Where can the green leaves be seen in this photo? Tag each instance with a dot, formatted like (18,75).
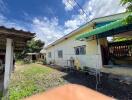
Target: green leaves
(128,20)
(128,3)
(34,46)
(125,1)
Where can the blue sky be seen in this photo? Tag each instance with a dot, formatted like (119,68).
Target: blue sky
(52,19)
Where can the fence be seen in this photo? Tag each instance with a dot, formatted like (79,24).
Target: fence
(121,49)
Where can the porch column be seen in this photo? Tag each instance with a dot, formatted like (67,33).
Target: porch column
(8,63)
(99,55)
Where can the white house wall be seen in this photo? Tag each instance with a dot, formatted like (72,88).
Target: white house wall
(93,53)
(91,59)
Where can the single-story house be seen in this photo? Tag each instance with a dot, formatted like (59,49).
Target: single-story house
(32,56)
(41,56)
(90,53)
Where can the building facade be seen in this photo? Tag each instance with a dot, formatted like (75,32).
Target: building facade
(84,53)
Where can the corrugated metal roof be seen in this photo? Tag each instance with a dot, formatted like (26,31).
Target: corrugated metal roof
(107,27)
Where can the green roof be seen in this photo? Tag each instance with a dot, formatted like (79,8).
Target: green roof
(107,27)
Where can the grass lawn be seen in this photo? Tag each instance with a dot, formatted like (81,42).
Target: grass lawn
(29,79)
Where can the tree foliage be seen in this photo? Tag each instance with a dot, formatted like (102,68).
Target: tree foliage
(32,46)
(128,4)
(128,20)
(117,39)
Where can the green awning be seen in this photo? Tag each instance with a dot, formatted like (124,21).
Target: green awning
(107,27)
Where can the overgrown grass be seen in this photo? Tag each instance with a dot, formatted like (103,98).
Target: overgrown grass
(19,62)
(27,81)
(1,93)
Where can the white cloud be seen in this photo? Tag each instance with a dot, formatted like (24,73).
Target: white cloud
(69,4)
(11,24)
(4,21)
(48,30)
(45,29)
(99,8)
(76,21)
(94,8)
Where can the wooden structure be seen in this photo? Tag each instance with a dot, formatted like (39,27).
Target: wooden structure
(12,40)
(121,49)
(32,57)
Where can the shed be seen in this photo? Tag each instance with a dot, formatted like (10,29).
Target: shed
(12,40)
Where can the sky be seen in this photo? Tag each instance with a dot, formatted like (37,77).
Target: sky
(52,19)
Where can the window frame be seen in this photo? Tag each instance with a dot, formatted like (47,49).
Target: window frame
(60,53)
(81,50)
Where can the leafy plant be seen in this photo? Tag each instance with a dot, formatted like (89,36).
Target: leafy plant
(128,4)
(32,46)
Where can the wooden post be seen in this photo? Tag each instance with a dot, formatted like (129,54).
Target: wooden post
(8,64)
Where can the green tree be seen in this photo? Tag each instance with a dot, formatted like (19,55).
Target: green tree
(32,46)
(128,20)
(128,4)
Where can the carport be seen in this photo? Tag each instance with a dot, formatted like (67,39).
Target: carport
(11,40)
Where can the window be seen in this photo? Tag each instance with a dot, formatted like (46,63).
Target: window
(49,54)
(80,50)
(60,54)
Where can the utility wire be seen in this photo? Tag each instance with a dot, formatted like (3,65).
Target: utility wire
(97,72)
(79,7)
(72,5)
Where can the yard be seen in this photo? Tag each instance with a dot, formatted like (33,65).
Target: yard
(29,79)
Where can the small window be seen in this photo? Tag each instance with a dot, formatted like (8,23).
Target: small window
(49,54)
(80,50)
(77,51)
(60,54)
